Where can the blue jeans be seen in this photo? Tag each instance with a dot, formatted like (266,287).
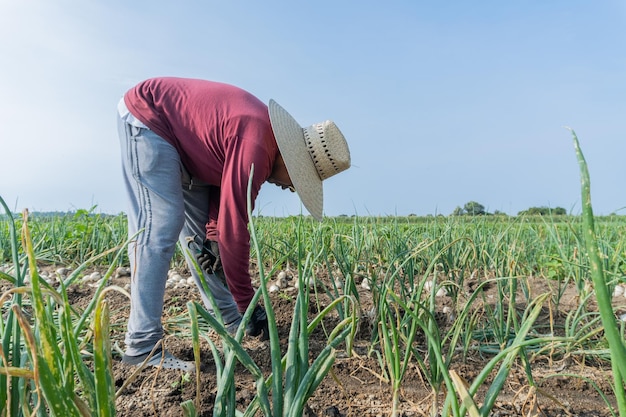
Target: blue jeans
(166,206)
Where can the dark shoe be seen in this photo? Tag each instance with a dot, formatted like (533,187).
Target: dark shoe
(258,324)
(231,328)
(161,358)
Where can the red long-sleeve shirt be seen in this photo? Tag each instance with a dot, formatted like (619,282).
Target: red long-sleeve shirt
(219,131)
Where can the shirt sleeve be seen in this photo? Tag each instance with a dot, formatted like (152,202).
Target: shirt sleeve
(228,222)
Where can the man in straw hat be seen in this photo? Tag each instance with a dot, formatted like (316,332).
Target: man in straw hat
(187,150)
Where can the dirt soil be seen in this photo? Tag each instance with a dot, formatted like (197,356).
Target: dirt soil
(356,386)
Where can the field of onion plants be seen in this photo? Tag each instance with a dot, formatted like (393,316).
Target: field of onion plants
(419,298)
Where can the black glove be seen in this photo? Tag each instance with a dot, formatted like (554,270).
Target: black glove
(258,324)
(209,259)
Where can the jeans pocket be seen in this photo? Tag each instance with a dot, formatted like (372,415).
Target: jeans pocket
(135,131)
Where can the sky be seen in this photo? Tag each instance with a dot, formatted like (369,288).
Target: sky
(441,103)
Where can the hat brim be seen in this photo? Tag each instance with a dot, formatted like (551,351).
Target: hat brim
(292,145)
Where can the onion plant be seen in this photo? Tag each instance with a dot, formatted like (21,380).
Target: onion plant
(616,343)
(293,379)
(396,335)
(400,313)
(505,358)
(43,363)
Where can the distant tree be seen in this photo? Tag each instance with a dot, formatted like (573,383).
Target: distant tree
(474,209)
(471,208)
(458,211)
(543,211)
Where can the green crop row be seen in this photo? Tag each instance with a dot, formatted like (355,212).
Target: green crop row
(55,358)
(550,247)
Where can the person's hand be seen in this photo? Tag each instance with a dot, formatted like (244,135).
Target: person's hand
(257,326)
(209,259)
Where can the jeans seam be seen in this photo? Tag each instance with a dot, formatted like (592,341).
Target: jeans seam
(143,191)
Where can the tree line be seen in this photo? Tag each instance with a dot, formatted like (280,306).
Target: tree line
(473,208)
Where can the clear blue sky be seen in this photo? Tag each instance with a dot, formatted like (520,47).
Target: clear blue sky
(441,102)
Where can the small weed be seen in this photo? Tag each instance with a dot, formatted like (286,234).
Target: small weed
(184,379)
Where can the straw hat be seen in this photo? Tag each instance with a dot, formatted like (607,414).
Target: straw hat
(311,155)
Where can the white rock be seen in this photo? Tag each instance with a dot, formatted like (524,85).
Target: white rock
(62,272)
(623,317)
(338,283)
(366,284)
(190,281)
(122,271)
(95,276)
(95,284)
(619,290)
(281,280)
(274,288)
(176,277)
(309,282)
(450,315)
(86,278)
(441,292)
